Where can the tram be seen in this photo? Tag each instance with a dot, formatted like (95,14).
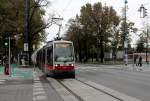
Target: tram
(56,58)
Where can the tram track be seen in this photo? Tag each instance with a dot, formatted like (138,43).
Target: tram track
(81,91)
(74,94)
(100,90)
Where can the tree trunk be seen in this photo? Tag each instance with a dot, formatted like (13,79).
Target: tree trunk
(97,58)
(86,50)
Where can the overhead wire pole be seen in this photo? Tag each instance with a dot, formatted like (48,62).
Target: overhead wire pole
(9,56)
(26,34)
(147,47)
(125,34)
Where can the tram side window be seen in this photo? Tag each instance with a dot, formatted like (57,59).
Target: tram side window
(50,56)
(40,58)
(43,58)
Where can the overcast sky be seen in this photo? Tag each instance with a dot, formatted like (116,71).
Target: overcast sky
(69,8)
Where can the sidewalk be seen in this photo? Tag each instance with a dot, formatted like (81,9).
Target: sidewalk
(16,73)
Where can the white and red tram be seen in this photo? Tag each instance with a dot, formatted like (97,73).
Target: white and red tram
(56,57)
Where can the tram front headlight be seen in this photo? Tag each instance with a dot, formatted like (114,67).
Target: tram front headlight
(71,64)
(57,65)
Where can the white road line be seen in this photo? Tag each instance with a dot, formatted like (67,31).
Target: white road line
(38,89)
(40,97)
(40,92)
(37,81)
(37,86)
(2,80)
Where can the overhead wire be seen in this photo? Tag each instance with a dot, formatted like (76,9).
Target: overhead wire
(70,1)
(61,12)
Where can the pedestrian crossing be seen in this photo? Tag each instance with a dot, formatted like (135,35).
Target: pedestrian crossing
(39,93)
(2,81)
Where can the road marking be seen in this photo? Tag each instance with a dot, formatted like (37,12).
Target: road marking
(36,86)
(2,81)
(40,97)
(38,90)
(37,81)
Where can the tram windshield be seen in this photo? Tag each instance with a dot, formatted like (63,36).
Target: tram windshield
(63,52)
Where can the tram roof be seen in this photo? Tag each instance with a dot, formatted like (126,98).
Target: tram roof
(49,43)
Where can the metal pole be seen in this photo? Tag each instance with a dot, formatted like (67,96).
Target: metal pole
(125,35)
(9,57)
(26,21)
(147,47)
(26,34)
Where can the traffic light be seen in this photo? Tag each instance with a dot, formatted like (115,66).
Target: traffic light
(145,12)
(5,42)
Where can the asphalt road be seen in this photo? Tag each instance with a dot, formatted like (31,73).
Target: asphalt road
(35,86)
(132,83)
(24,85)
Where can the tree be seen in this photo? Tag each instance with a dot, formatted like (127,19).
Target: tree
(97,22)
(12,20)
(76,34)
(140,44)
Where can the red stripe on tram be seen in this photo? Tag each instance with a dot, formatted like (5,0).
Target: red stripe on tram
(48,67)
(64,67)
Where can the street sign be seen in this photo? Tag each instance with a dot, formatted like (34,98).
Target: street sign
(25,46)
(125,44)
